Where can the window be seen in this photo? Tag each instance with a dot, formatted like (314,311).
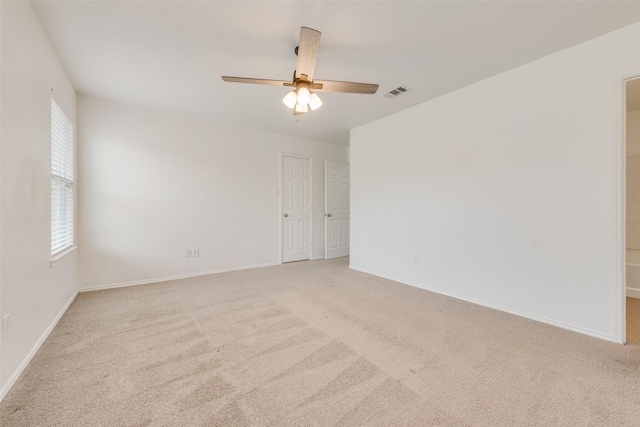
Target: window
(61,180)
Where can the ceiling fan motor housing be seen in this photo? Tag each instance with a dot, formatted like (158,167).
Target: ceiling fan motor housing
(300,83)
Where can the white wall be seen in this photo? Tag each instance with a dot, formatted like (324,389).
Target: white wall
(155,184)
(33,294)
(503,189)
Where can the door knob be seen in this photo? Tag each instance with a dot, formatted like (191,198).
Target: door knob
(286,215)
(329,215)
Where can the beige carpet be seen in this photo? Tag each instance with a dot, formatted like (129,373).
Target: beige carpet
(314,343)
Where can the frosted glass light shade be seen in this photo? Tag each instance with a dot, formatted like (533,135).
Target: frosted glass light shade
(290,99)
(301,108)
(314,101)
(303,95)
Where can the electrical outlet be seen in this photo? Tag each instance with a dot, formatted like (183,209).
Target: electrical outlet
(196,251)
(5,326)
(189,252)
(416,260)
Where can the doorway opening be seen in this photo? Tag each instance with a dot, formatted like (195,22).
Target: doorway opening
(632,209)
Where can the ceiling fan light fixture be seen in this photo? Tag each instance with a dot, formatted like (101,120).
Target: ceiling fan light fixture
(314,101)
(301,98)
(304,95)
(301,108)
(290,99)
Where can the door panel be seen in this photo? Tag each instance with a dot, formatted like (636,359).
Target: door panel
(296,208)
(345,233)
(337,209)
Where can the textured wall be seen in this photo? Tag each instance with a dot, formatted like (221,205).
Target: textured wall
(33,294)
(503,189)
(155,184)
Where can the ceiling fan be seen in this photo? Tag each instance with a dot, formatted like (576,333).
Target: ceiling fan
(303,95)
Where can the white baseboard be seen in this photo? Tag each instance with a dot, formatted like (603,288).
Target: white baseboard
(166,279)
(495,307)
(633,293)
(34,350)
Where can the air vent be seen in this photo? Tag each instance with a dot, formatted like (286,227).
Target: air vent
(397,91)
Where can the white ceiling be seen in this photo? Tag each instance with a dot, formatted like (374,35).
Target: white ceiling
(170,55)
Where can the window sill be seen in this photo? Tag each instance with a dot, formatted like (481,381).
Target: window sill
(61,255)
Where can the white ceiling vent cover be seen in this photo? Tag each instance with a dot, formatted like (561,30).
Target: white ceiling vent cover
(397,91)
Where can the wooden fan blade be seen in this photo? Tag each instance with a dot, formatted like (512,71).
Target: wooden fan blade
(307,52)
(346,87)
(256,81)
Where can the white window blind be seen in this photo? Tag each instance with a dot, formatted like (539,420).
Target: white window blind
(61,180)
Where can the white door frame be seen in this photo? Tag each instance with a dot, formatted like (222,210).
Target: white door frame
(281,212)
(619,268)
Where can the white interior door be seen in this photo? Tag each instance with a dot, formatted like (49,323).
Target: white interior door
(336,217)
(296,209)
